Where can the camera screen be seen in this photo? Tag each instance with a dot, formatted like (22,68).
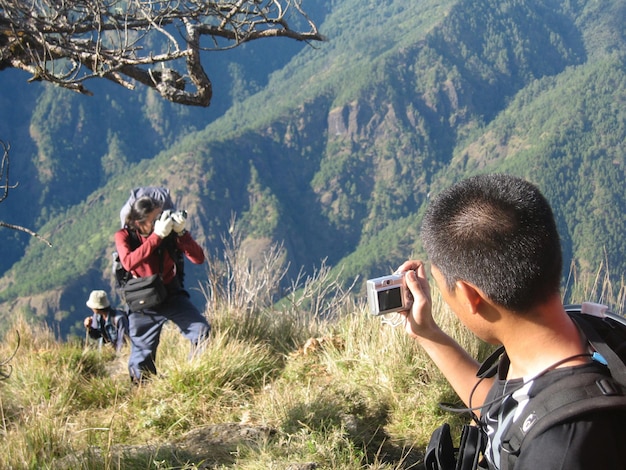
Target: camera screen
(390,299)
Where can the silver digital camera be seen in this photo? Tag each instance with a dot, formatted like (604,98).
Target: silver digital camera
(386,294)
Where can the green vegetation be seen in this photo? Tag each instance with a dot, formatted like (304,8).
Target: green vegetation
(567,135)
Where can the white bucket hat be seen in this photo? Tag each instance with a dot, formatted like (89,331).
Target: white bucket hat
(98,299)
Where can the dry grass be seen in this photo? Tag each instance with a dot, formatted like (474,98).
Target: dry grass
(335,385)
(597,287)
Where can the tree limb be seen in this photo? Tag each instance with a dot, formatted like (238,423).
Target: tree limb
(69,42)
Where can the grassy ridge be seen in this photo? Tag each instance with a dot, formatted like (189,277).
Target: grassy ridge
(346,392)
(338,154)
(359,396)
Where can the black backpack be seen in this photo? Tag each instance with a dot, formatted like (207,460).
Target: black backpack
(568,398)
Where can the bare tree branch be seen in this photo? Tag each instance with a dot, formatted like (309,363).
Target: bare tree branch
(26,230)
(4,188)
(5,368)
(68,42)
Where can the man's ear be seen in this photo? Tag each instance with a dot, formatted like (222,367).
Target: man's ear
(470,295)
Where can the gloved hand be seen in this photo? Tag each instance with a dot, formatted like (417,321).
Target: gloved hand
(163,225)
(179,219)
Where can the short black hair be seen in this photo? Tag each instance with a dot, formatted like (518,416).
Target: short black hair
(497,232)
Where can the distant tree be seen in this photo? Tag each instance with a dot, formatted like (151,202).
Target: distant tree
(68,42)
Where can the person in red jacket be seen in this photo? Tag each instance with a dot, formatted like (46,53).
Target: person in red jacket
(145,246)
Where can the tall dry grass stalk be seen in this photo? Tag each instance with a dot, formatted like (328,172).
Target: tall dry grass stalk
(237,283)
(248,290)
(599,287)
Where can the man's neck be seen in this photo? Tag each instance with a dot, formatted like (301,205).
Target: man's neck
(542,339)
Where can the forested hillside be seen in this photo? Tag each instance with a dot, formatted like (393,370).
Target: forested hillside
(331,150)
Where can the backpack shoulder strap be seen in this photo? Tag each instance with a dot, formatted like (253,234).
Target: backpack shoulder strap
(177,256)
(564,400)
(121,275)
(599,342)
(134,243)
(169,244)
(133,238)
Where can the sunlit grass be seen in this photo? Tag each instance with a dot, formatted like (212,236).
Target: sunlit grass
(348,392)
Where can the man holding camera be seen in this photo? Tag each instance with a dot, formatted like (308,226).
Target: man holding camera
(496,258)
(145,247)
(106,323)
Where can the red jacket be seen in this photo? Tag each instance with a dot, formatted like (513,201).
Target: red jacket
(144,260)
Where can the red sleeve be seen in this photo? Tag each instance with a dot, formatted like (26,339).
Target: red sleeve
(190,247)
(143,260)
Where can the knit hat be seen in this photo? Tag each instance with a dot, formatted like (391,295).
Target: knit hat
(98,299)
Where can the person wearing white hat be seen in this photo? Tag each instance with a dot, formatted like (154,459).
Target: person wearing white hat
(106,322)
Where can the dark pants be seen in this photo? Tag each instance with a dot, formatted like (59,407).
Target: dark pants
(145,331)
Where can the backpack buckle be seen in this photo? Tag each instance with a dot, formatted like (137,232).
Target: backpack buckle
(608,387)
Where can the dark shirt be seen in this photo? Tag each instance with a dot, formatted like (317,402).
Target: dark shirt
(112,330)
(593,441)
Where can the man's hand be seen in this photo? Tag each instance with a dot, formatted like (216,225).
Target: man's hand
(419,320)
(87,323)
(163,225)
(179,220)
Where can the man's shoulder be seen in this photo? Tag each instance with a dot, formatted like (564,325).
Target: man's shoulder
(573,409)
(589,441)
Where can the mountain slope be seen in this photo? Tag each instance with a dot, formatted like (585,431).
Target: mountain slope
(337,154)
(575,150)
(65,145)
